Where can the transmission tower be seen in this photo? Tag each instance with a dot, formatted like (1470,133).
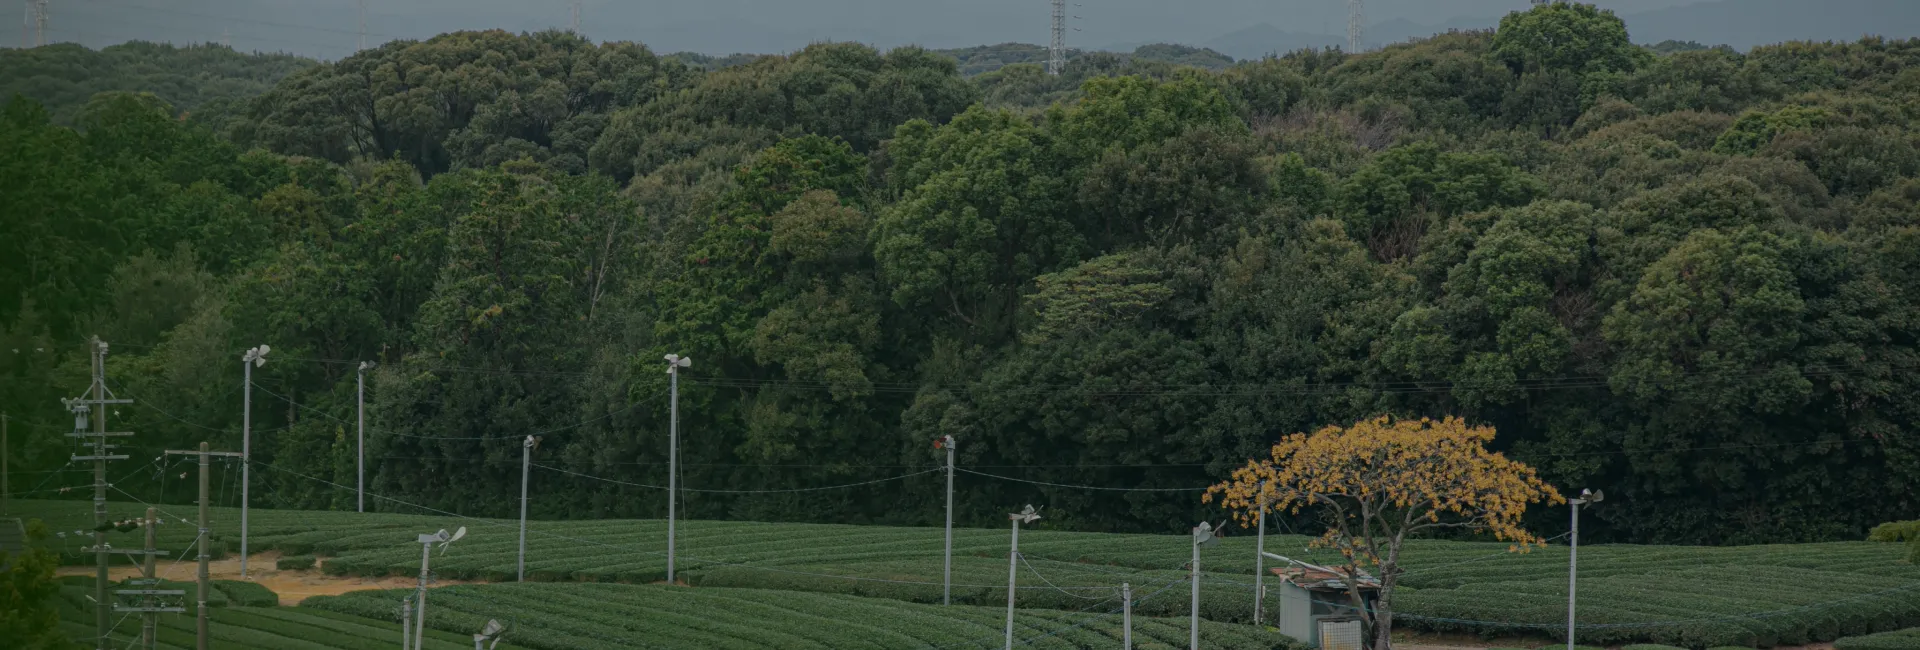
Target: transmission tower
(37,21)
(1057,52)
(575,5)
(1356,25)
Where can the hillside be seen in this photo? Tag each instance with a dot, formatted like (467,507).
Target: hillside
(1133,276)
(208,82)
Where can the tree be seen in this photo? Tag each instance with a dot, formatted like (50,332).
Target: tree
(28,595)
(1379,482)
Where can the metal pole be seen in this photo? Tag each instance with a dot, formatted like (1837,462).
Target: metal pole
(360,446)
(526,462)
(406,623)
(200,612)
(1573,562)
(1195,579)
(1013,564)
(246,459)
(946,594)
(1126,616)
(1260,559)
(100,493)
(146,571)
(6,488)
(673,460)
(420,599)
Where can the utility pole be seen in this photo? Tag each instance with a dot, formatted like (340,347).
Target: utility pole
(674,364)
(6,488)
(1057,51)
(1260,559)
(253,357)
(1573,554)
(406,623)
(1203,535)
(1356,25)
(150,607)
(420,593)
(526,462)
(946,594)
(1027,516)
(96,406)
(360,448)
(205,542)
(147,621)
(1126,616)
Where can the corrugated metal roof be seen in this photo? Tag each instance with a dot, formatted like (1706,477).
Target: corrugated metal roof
(1306,578)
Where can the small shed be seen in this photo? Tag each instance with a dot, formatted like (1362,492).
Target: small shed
(1318,609)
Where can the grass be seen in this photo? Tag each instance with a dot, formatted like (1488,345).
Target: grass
(1748,596)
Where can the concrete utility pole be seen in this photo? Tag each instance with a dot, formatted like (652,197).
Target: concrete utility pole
(1126,616)
(946,593)
(1260,558)
(147,623)
(6,488)
(526,463)
(1026,516)
(203,540)
(1356,26)
(1203,535)
(674,364)
(360,447)
(253,357)
(1573,554)
(96,406)
(1057,51)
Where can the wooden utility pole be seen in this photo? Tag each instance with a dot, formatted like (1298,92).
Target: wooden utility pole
(204,540)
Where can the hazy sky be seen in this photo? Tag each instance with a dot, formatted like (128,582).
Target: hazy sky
(328,28)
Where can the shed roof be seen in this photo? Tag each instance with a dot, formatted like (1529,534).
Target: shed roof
(1314,578)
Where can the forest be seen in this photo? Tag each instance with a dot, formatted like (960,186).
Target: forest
(1687,276)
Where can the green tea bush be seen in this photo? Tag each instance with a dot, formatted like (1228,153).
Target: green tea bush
(246,594)
(1895,531)
(1907,639)
(294,563)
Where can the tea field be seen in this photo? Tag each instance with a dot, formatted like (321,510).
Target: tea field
(252,624)
(1690,596)
(609,616)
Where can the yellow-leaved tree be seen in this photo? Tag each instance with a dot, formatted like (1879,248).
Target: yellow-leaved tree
(1380,482)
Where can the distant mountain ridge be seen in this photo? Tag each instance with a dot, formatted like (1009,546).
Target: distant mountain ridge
(1742,24)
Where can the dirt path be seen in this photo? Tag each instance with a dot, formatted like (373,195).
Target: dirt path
(292,586)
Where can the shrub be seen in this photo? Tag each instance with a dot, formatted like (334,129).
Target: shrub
(1907,639)
(246,594)
(1895,531)
(294,563)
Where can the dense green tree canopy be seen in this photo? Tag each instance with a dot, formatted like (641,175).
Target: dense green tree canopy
(1688,276)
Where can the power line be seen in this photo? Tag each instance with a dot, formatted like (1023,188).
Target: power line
(1079,487)
(688,489)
